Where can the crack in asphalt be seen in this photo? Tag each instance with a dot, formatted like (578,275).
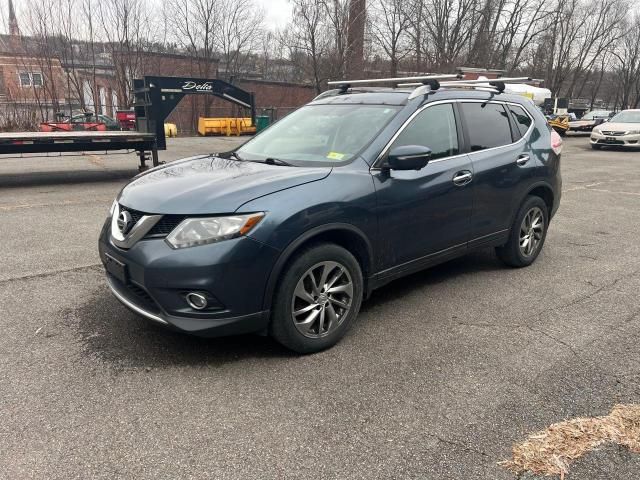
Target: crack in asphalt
(50,273)
(63,203)
(461,445)
(571,303)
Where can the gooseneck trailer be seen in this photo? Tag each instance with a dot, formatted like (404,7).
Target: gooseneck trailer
(154,99)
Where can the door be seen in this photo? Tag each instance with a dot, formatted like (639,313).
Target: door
(424,212)
(497,135)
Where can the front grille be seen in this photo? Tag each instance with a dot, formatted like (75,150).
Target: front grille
(613,134)
(165,226)
(161,229)
(135,214)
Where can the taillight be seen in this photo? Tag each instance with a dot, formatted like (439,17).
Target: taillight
(556,142)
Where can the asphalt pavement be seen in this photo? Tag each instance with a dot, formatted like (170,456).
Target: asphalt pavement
(444,371)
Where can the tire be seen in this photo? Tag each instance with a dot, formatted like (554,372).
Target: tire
(512,253)
(596,147)
(299,291)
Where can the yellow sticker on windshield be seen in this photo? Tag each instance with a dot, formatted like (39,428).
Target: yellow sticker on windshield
(335,156)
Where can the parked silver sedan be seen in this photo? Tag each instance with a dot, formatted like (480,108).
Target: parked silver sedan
(623,130)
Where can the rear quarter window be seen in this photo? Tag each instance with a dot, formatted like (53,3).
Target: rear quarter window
(487,125)
(521,118)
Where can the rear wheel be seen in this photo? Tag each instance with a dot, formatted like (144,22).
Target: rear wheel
(527,235)
(318,299)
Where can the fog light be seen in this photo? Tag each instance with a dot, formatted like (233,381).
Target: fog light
(197,301)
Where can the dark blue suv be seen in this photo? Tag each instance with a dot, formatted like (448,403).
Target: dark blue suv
(290,232)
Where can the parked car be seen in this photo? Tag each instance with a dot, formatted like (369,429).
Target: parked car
(290,232)
(590,120)
(623,130)
(84,118)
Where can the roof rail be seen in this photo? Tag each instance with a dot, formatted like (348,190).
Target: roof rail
(487,82)
(422,80)
(490,85)
(429,83)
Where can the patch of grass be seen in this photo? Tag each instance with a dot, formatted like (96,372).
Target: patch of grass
(549,452)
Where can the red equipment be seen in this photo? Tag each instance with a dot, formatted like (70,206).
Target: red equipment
(72,127)
(126,119)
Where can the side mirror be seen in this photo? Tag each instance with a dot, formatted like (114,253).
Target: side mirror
(408,157)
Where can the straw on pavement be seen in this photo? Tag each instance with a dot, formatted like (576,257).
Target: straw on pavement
(549,452)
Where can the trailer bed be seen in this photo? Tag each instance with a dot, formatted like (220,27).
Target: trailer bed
(46,142)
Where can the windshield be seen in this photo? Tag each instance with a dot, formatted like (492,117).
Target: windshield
(316,134)
(630,116)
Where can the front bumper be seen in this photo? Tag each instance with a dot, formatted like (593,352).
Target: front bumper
(631,141)
(581,127)
(233,274)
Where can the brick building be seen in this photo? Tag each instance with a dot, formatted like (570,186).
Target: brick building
(42,77)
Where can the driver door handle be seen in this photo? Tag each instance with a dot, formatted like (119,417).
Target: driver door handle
(522,160)
(462,178)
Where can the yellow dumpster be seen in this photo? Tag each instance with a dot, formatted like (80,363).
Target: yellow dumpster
(170,130)
(225,126)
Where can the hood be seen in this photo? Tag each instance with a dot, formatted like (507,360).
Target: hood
(618,127)
(210,184)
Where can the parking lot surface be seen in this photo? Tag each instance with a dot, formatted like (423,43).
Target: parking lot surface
(444,371)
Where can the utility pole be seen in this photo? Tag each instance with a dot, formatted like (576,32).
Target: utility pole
(355,38)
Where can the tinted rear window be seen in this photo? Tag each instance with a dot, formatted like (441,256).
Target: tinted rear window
(522,120)
(487,124)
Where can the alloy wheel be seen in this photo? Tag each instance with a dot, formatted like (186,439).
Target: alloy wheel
(531,232)
(322,299)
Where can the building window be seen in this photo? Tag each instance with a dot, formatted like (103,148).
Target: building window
(36,79)
(25,80)
(30,79)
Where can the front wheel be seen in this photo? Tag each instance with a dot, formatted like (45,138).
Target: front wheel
(527,235)
(596,147)
(318,299)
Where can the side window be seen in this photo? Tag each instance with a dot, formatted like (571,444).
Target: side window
(522,120)
(434,127)
(488,125)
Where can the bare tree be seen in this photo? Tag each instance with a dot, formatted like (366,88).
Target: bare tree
(628,67)
(390,23)
(239,34)
(307,40)
(193,25)
(40,58)
(126,26)
(448,27)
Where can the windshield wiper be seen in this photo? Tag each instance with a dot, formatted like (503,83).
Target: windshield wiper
(236,156)
(277,161)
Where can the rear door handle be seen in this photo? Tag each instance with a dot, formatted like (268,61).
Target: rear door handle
(522,160)
(462,178)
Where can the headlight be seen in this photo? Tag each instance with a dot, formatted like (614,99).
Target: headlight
(200,231)
(633,132)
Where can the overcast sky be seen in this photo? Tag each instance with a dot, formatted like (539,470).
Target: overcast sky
(278,12)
